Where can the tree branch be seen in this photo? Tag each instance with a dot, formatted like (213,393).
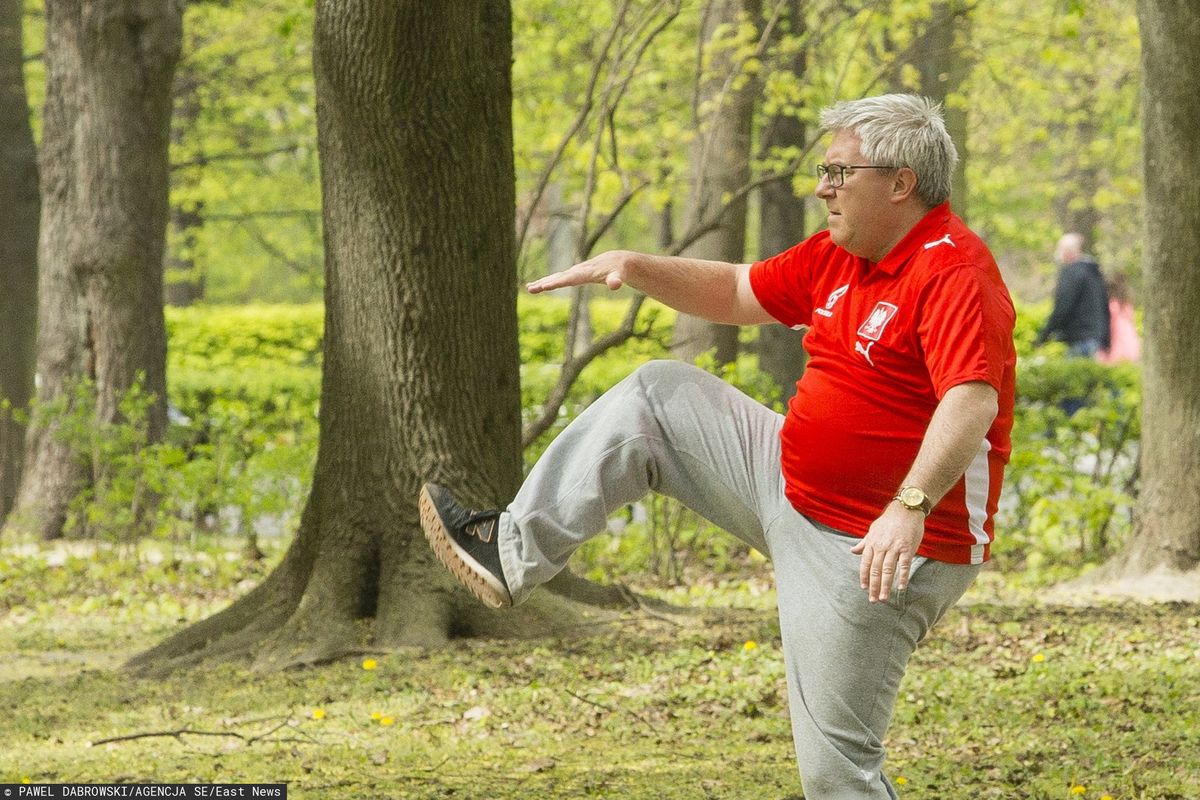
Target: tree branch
(573,366)
(580,118)
(203,161)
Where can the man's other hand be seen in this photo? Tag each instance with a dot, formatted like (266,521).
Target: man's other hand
(888,549)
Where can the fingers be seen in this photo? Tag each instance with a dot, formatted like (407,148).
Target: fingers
(879,570)
(570,277)
(605,268)
(556,281)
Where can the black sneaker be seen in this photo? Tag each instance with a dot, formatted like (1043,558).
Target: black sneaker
(465,541)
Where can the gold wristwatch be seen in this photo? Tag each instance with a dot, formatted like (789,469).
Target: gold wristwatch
(914,499)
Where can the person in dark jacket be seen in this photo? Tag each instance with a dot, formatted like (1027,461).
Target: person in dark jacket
(1080,316)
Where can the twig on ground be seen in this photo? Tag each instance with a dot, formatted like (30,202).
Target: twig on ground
(182,732)
(612,710)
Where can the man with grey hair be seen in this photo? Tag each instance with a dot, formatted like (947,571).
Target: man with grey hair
(873,495)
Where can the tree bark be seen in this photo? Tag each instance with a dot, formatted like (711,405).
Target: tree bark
(1167,525)
(781,352)
(421,362)
(18,251)
(183,284)
(103,158)
(720,165)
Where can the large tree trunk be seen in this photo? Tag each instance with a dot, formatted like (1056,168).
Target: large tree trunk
(944,65)
(1167,526)
(104,210)
(421,362)
(19,207)
(781,353)
(720,166)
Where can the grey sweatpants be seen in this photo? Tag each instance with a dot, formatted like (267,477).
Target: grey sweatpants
(682,432)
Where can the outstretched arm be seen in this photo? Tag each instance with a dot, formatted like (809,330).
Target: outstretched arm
(714,290)
(955,433)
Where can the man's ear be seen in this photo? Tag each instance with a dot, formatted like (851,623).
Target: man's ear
(904,184)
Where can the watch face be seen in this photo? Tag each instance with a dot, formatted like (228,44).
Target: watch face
(912,497)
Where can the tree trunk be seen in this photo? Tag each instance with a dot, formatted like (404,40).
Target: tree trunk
(1167,525)
(1076,207)
(720,165)
(18,251)
(183,284)
(944,65)
(421,362)
(781,353)
(105,132)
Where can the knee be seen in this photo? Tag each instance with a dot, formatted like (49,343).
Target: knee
(664,372)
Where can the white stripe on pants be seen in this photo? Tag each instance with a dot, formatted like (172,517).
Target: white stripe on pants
(682,432)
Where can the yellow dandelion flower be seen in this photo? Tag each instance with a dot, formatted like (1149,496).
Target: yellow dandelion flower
(369,663)
(377,715)
(387,721)
(750,645)
(901,781)
(1078,789)
(1106,797)
(26,780)
(1037,659)
(318,713)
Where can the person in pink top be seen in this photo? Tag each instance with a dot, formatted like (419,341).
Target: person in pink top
(1125,345)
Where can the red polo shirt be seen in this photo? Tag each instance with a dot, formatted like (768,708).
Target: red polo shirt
(885,343)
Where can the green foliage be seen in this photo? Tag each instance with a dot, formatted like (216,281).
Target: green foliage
(244,153)
(1055,126)
(1071,483)
(244,388)
(542,321)
(248,380)
(1052,96)
(131,478)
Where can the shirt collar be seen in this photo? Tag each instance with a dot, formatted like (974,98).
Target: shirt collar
(920,234)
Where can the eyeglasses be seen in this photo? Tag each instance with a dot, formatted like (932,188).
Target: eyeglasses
(836,173)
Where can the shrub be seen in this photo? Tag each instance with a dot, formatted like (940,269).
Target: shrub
(1072,481)
(245,388)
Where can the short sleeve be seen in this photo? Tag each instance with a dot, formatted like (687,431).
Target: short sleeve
(781,284)
(966,327)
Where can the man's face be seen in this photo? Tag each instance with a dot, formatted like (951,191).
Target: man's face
(859,210)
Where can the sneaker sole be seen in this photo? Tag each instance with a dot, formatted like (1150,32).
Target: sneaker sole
(469,572)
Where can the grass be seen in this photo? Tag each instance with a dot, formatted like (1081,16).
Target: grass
(1004,700)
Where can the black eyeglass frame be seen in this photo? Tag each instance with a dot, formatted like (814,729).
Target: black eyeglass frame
(829,171)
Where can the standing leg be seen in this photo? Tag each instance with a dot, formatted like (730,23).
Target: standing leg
(668,427)
(845,656)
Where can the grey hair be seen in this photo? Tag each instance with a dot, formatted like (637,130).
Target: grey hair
(901,130)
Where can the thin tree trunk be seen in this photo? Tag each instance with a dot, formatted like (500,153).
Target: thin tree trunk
(781,224)
(18,252)
(421,362)
(944,64)
(720,165)
(183,284)
(104,211)
(1167,525)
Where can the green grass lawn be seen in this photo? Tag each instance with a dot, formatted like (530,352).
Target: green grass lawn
(1008,699)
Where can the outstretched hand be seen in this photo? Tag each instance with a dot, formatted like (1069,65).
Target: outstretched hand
(887,551)
(607,268)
